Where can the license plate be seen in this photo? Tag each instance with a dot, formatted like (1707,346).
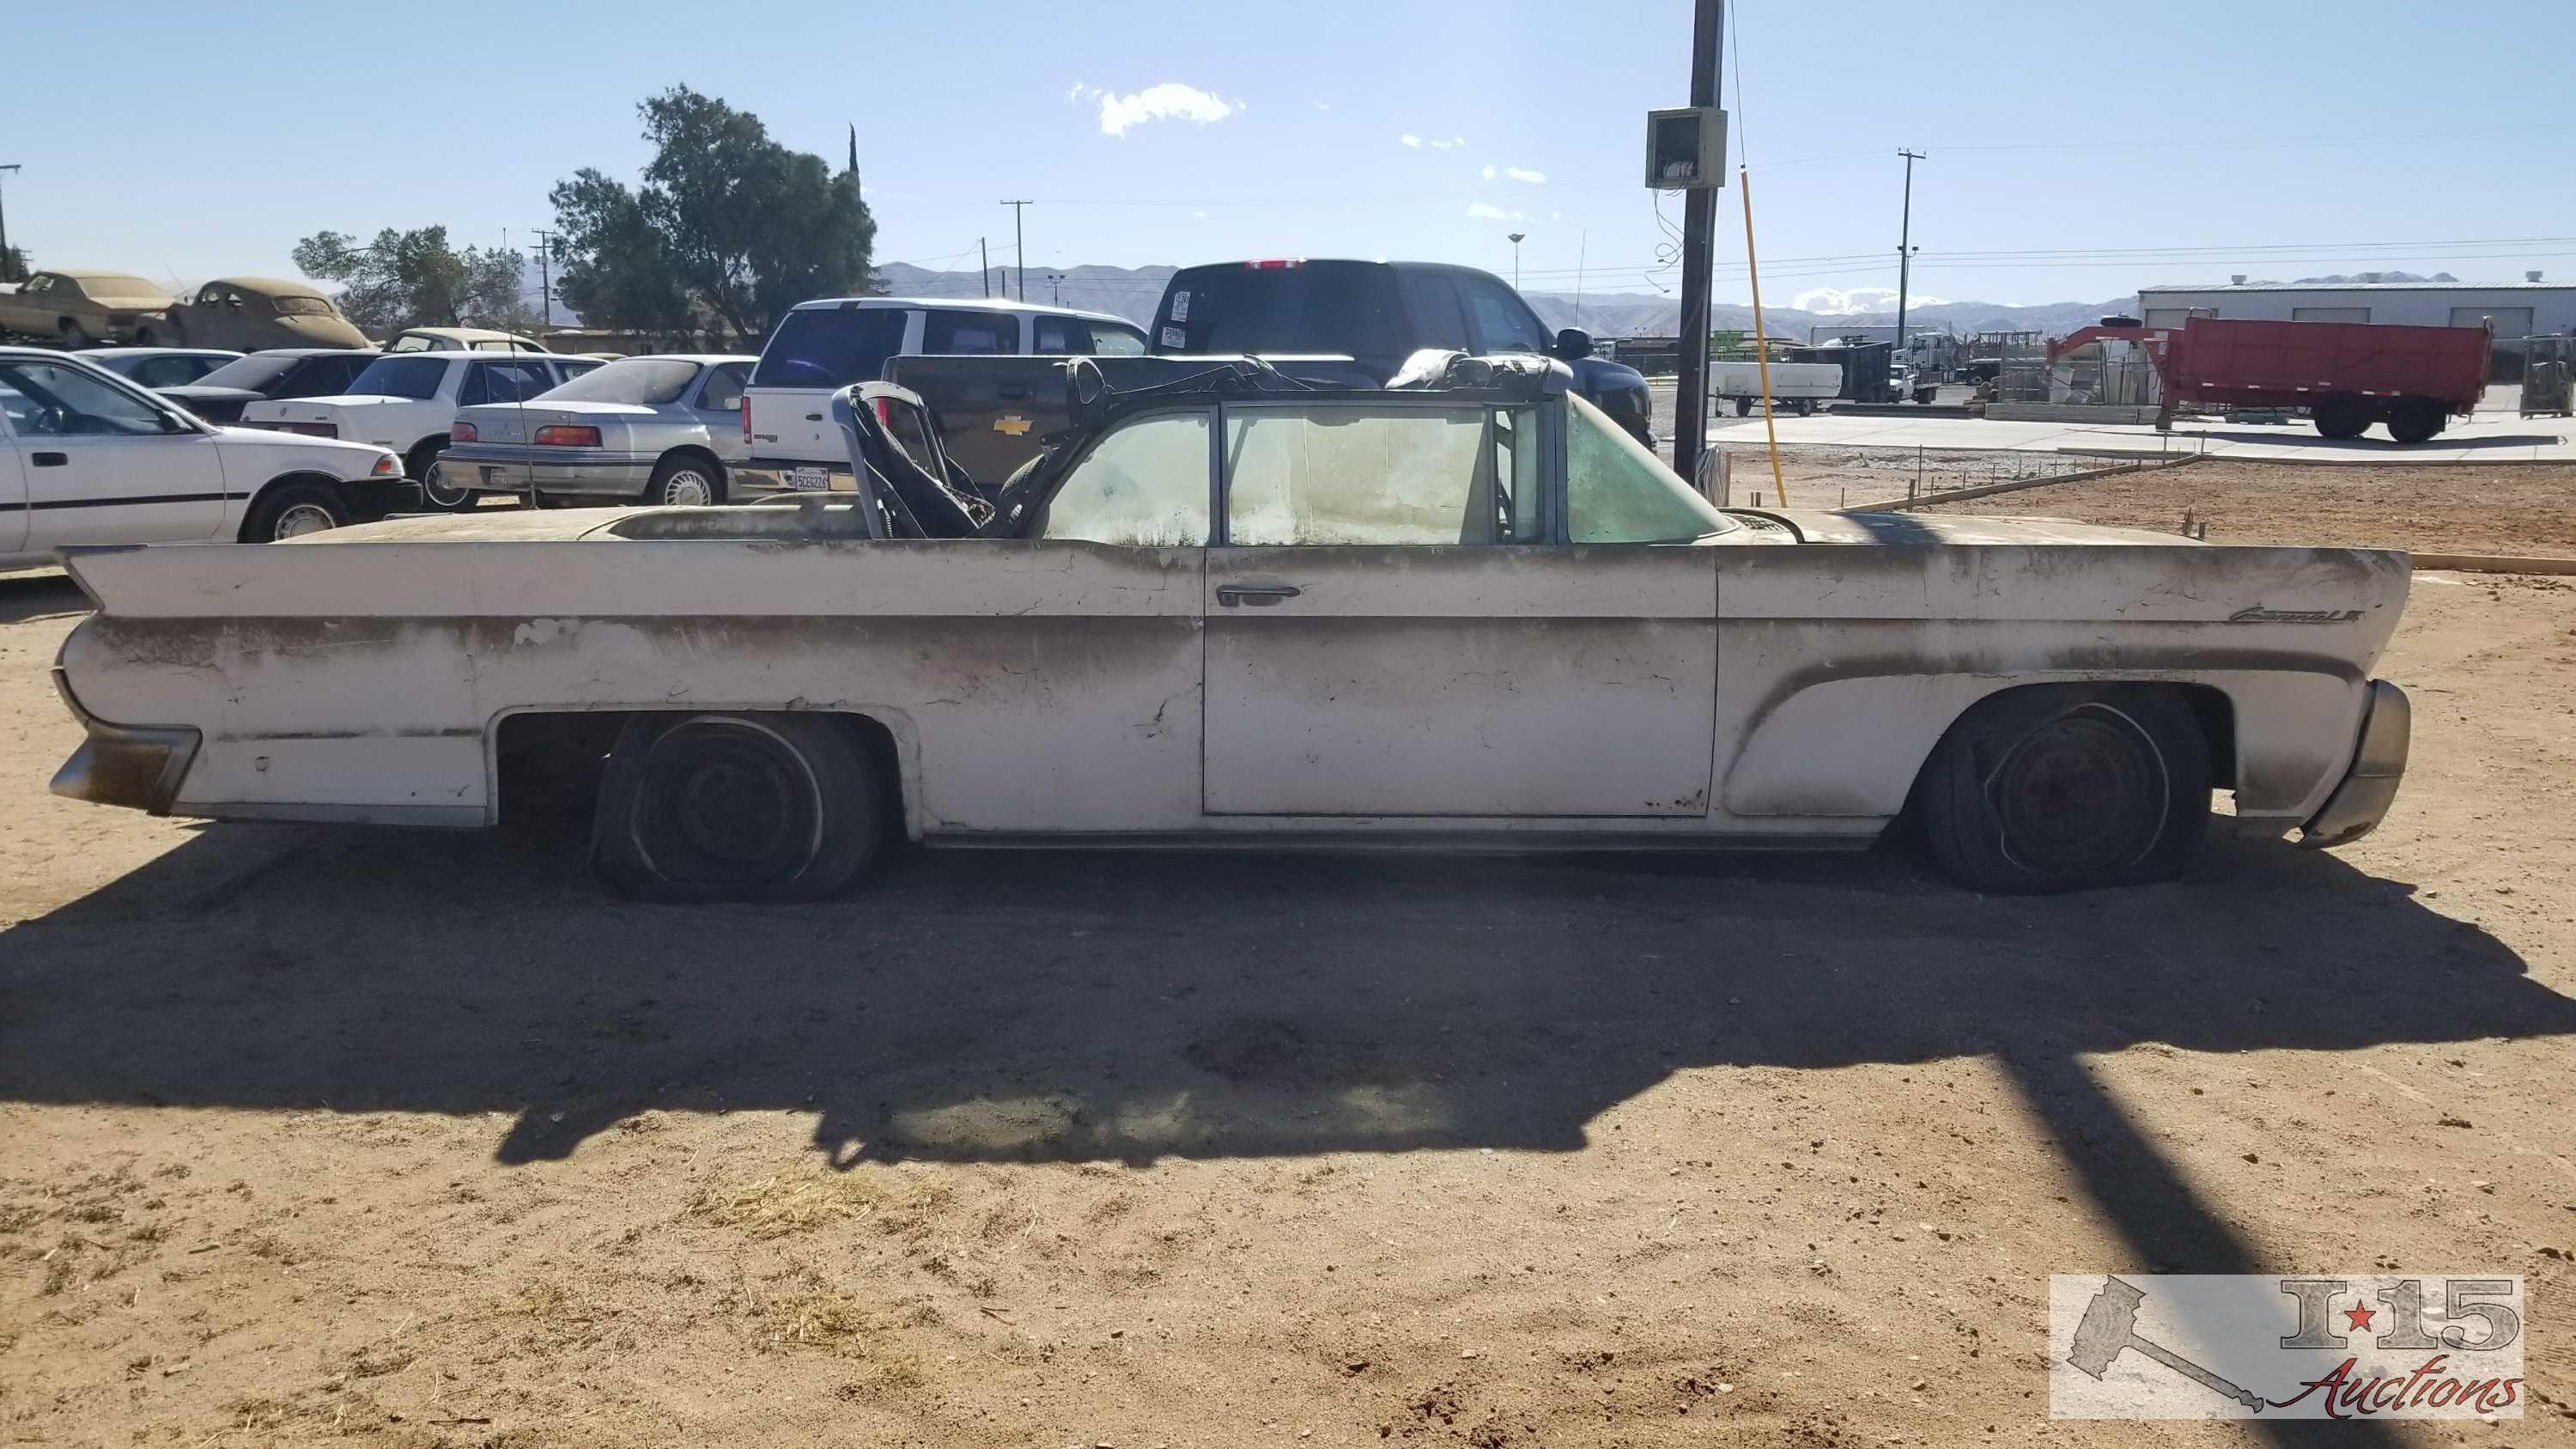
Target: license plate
(809,480)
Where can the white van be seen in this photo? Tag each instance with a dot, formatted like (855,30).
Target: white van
(827,344)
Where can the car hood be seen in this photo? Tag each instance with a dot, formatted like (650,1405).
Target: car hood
(227,437)
(1958,528)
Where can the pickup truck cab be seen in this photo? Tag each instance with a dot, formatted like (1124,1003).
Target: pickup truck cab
(1377,314)
(824,346)
(407,402)
(90,459)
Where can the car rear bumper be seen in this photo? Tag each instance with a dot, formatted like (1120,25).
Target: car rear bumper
(508,468)
(136,766)
(2369,785)
(773,477)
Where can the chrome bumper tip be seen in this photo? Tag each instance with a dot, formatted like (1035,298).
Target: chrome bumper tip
(2369,787)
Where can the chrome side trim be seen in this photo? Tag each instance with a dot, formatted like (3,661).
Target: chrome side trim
(2370,786)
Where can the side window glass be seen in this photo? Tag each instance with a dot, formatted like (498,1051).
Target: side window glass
(65,402)
(1337,475)
(1059,336)
(1144,485)
(1435,310)
(1503,321)
(969,332)
(723,390)
(1617,492)
(1108,341)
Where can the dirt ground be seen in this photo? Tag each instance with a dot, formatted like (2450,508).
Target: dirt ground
(2521,509)
(415,1139)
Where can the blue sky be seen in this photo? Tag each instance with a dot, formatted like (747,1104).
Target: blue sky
(2073,155)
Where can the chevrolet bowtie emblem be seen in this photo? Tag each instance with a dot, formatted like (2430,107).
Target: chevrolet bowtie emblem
(1014,426)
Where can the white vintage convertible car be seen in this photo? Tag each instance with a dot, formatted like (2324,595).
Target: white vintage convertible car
(1231,609)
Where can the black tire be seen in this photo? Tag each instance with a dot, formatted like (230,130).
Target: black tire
(143,337)
(421,466)
(1805,406)
(73,337)
(2415,419)
(1923,396)
(687,473)
(2059,788)
(739,807)
(2341,415)
(290,510)
(1744,407)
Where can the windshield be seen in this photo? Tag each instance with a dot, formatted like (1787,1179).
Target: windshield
(411,377)
(1617,492)
(253,372)
(830,347)
(303,307)
(651,381)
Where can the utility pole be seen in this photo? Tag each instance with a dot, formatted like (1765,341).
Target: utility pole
(546,273)
(984,265)
(1699,247)
(1020,242)
(1516,259)
(1055,280)
(1905,254)
(8,258)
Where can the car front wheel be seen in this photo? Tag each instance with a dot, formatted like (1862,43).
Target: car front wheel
(752,807)
(292,510)
(2056,788)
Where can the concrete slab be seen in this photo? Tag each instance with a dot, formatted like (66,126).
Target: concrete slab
(2487,436)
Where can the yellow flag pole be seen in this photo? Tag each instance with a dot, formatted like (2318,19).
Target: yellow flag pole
(1761,348)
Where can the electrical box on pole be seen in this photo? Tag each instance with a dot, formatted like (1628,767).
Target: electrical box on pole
(1686,148)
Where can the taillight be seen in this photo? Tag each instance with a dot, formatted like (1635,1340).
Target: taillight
(387,466)
(746,420)
(1272,264)
(559,436)
(463,433)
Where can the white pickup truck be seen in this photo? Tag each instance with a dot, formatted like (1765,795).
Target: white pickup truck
(408,402)
(90,459)
(1219,612)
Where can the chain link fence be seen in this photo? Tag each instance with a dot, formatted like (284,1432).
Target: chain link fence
(1842,475)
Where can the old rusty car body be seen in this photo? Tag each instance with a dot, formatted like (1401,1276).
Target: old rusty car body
(1238,610)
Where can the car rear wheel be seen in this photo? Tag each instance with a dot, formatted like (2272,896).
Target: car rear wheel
(74,336)
(292,510)
(681,482)
(757,807)
(436,490)
(2056,788)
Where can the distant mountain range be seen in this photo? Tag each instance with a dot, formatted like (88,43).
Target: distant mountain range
(1131,292)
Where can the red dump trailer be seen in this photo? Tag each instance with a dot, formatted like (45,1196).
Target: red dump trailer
(2348,375)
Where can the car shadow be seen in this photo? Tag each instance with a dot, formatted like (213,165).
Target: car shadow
(27,597)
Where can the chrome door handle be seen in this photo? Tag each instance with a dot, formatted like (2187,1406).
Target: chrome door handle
(1260,596)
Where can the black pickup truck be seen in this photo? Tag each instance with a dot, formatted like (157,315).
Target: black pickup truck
(1326,323)
(1377,314)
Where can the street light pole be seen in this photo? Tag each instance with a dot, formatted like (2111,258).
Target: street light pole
(1516,259)
(8,258)
(1699,251)
(1905,252)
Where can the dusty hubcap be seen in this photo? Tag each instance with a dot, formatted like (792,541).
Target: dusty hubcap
(435,489)
(688,488)
(302,519)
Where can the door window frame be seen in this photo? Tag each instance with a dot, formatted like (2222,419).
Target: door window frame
(1215,415)
(1550,532)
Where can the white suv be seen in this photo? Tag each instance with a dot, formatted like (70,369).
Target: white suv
(407,401)
(825,345)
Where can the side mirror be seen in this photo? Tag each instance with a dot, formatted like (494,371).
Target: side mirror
(1573,344)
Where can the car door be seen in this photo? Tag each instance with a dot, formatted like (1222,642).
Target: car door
(30,308)
(717,407)
(13,476)
(104,464)
(1391,632)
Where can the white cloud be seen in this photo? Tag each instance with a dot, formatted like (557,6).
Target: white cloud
(1483,211)
(1411,140)
(1452,144)
(1523,173)
(1170,101)
(1323,105)
(1489,173)
(1074,93)
(1839,302)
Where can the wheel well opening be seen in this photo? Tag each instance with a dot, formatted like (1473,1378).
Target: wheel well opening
(251,505)
(2209,705)
(694,453)
(547,764)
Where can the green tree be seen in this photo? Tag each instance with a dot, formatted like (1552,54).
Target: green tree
(727,230)
(415,279)
(14,265)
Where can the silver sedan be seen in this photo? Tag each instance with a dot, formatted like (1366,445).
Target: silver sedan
(659,430)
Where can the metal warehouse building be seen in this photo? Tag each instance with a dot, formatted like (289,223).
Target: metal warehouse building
(2529,308)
